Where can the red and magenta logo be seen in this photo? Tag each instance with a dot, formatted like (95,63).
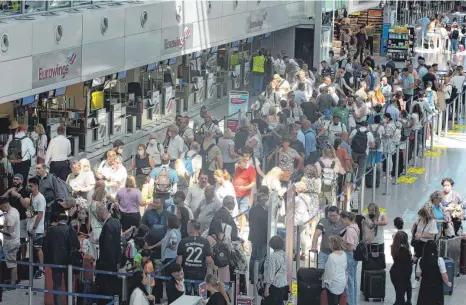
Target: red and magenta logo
(58,70)
(179,41)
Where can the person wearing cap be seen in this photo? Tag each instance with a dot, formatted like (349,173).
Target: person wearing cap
(210,126)
(175,144)
(11,235)
(21,164)
(19,197)
(57,154)
(186,132)
(154,149)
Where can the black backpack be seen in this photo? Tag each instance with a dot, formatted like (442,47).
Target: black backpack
(220,253)
(205,158)
(359,142)
(14,150)
(455,34)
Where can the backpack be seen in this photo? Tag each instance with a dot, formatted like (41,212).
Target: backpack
(377,138)
(205,158)
(221,254)
(281,67)
(15,150)
(405,130)
(430,100)
(188,163)
(352,40)
(328,175)
(162,180)
(359,142)
(238,257)
(258,113)
(65,187)
(454,34)
(371,75)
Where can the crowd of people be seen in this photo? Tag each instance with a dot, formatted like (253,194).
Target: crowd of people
(197,202)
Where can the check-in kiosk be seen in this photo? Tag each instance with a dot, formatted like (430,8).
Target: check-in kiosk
(115,102)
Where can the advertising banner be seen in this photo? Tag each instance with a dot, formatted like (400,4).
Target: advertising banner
(169,101)
(238,100)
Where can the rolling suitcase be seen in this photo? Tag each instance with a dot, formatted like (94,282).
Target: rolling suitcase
(450,266)
(309,286)
(451,248)
(374,284)
(369,179)
(324,301)
(463,257)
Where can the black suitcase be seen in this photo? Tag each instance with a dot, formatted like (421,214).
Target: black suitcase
(369,178)
(374,284)
(309,286)
(376,260)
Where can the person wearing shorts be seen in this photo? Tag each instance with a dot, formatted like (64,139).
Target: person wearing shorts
(10,230)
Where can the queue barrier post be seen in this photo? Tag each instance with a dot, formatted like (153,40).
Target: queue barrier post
(256,277)
(374,180)
(387,172)
(453,115)
(363,187)
(424,139)
(70,283)
(432,133)
(464,104)
(116,300)
(297,250)
(440,123)
(30,295)
(397,163)
(31,260)
(124,291)
(415,148)
(447,117)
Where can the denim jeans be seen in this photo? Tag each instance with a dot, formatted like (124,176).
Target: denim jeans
(243,204)
(57,276)
(352,287)
(454,45)
(322,260)
(191,288)
(259,251)
(257,83)
(360,160)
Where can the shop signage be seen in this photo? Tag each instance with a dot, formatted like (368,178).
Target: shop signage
(179,41)
(238,101)
(256,20)
(55,67)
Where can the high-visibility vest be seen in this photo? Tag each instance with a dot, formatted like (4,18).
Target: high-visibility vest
(258,64)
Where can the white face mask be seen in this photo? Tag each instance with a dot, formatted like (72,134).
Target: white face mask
(152,141)
(120,150)
(447,188)
(429,89)
(140,152)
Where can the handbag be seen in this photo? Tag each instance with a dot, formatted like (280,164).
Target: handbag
(415,242)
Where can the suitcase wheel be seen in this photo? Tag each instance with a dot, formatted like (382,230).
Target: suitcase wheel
(450,293)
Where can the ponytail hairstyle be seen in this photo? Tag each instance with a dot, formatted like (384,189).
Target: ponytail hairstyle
(222,173)
(213,281)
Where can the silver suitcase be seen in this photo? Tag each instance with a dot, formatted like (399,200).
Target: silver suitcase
(451,248)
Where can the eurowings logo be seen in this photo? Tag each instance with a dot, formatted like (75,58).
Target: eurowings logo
(179,41)
(71,57)
(58,70)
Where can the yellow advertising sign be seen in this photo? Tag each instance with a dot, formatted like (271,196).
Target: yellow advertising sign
(416,170)
(97,101)
(434,154)
(407,180)
(294,288)
(382,210)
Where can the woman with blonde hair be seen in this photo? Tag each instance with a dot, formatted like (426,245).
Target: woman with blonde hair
(224,187)
(218,294)
(99,197)
(129,199)
(143,163)
(272,180)
(41,143)
(184,179)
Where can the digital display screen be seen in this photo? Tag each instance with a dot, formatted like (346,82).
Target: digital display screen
(214,50)
(250,40)
(60,91)
(151,67)
(234,44)
(98,81)
(122,75)
(51,94)
(172,61)
(267,35)
(29,100)
(195,54)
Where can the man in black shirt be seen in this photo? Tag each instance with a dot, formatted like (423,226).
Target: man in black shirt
(118,146)
(430,77)
(258,226)
(194,255)
(310,111)
(224,213)
(19,196)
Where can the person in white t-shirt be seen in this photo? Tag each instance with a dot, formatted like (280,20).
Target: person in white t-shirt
(333,130)
(35,222)
(175,144)
(11,233)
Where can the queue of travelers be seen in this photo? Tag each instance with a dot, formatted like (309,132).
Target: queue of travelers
(198,197)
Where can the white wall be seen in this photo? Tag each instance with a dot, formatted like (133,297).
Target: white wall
(117,38)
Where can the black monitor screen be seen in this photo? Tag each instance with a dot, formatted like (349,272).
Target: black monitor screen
(60,91)
(267,35)
(214,49)
(29,100)
(151,67)
(234,44)
(51,94)
(250,40)
(122,75)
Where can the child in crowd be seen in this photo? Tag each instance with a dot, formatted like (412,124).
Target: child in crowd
(148,267)
(175,286)
(137,259)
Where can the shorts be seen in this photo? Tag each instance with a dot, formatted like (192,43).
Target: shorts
(38,240)
(12,255)
(23,228)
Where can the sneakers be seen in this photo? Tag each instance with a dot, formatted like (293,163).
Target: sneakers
(39,274)
(415,284)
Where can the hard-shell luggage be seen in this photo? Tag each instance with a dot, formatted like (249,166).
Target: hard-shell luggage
(450,266)
(463,257)
(376,259)
(370,178)
(451,248)
(324,300)
(309,286)
(374,284)
(48,297)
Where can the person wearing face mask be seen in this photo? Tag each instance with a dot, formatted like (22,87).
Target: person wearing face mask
(154,149)
(81,179)
(118,149)
(143,163)
(452,201)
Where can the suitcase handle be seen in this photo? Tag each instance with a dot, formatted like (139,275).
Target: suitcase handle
(316,258)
